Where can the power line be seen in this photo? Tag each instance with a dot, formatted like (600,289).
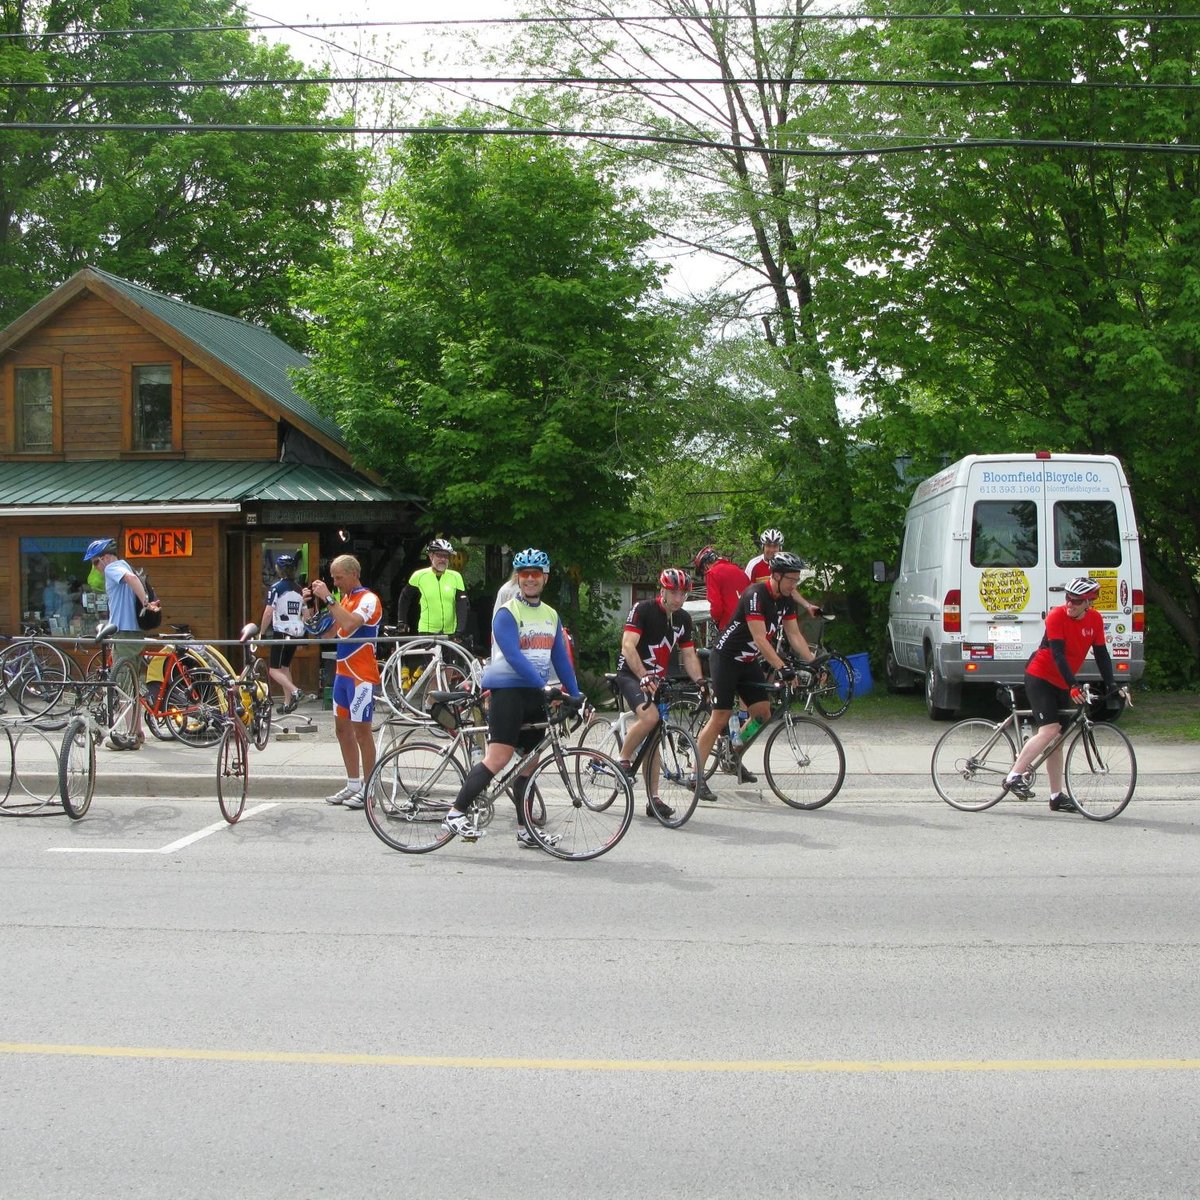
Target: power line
(31,85)
(854,17)
(972,144)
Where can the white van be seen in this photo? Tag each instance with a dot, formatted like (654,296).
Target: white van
(989,544)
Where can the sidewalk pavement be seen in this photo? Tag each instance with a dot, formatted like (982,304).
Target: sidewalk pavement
(879,766)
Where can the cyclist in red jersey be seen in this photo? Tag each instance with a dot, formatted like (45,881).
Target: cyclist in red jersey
(1072,630)
(724,583)
(759,567)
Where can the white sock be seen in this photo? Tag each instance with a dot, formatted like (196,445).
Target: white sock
(356,784)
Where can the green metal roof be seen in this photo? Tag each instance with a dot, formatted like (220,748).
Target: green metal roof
(255,354)
(170,481)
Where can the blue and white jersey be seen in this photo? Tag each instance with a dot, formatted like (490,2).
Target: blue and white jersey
(287,608)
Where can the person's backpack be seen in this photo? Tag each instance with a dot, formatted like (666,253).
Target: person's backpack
(148,618)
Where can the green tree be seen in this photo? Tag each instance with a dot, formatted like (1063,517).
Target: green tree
(1038,297)
(492,343)
(216,218)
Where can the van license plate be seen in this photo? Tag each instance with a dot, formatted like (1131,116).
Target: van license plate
(1004,633)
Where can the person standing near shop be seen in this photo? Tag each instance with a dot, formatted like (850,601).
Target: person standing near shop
(357,615)
(126,598)
(442,592)
(283,619)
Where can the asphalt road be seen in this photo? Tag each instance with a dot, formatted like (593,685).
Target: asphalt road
(876,999)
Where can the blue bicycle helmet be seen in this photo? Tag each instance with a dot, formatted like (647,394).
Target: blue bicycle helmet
(527,559)
(285,560)
(98,547)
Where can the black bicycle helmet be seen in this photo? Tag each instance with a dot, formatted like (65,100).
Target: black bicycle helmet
(785,563)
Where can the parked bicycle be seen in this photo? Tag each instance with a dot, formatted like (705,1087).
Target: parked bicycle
(246,715)
(803,758)
(973,758)
(420,666)
(578,803)
(668,758)
(33,671)
(828,679)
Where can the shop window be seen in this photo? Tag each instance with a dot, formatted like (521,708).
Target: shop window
(153,407)
(35,425)
(55,587)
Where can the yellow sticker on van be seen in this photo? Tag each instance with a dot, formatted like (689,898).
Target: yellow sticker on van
(1004,589)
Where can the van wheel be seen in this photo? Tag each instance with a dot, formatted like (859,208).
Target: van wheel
(935,691)
(896,677)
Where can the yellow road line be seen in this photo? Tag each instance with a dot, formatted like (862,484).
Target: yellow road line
(665,1066)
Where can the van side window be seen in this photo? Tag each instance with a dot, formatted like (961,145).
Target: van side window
(1004,534)
(1086,534)
(912,539)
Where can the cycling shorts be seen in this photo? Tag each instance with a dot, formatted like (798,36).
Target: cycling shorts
(630,688)
(354,699)
(283,651)
(509,709)
(1046,700)
(731,678)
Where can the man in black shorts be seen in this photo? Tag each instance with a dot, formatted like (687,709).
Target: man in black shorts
(652,630)
(736,662)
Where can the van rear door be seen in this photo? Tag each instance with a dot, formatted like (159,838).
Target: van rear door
(1005,563)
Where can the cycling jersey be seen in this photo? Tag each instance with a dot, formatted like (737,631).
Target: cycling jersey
(287,608)
(659,634)
(756,606)
(756,568)
(1078,637)
(439,597)
(356,647)
(527,639)
(724,582)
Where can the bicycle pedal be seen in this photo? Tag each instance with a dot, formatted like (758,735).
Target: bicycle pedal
(472,835)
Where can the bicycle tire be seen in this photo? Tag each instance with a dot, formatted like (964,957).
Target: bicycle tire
(409,793)
(1100,771)
(43,676)
(963,775)
(77,768)
(262,715)
(804,762)
(827,699)
(679,778)
(588,803)
(123,694)
(601,733)
(233,771)
(195,708)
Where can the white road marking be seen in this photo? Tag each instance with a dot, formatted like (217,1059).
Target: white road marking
(170,849)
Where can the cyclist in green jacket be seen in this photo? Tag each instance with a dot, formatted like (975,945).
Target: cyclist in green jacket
(442,592)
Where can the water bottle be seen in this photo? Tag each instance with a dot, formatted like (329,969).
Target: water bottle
(1026,731)
(735,728)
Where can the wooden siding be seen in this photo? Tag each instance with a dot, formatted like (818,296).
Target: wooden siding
(96,346)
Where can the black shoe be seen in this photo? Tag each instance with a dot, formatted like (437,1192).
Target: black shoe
(290,706)
(745,776)
(627,769)
(1062,803)
(1019,788)
(663,810)
(705,792)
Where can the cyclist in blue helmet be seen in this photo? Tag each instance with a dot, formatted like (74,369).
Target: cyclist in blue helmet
(527,640)
(283,618)
(126,595)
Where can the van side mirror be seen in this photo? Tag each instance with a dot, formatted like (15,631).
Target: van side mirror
(881,572)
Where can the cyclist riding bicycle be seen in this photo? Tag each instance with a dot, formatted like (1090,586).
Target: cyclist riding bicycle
(736,662)
(653,629)
(1072,630)
(527,639)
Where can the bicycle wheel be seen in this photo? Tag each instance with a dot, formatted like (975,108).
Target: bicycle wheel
(804,761)
(970,763)
(195,708)
(1101,771)
(601,733)
(260,725)
(829,684)
(409,792)
(123,695)
(678,776)
(41,675)
(77,768)
(588,803)
(233,770)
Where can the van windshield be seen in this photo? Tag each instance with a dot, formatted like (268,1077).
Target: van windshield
(1086,534)
(1004,534)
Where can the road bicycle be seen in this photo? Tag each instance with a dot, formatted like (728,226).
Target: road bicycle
(973,758)
(577,802)
(420,666)
(668,757)
(33,671)
(804,761)
(828,679)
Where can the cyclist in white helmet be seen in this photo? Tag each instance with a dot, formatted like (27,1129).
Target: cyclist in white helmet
(770,542)
(442,592)
(1072,630)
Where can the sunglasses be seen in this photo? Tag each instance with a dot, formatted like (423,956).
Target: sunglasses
(1080,599)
